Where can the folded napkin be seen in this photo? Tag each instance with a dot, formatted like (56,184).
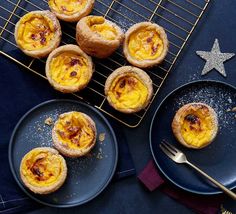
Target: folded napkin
(125,165)
(151,178)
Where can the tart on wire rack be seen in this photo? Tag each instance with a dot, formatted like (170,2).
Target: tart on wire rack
(72,10)
(98,36)
(145,44)
(69,69)
(128,89)
(38,33)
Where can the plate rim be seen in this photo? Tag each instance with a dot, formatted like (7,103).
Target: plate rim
(151,127)
(11,145)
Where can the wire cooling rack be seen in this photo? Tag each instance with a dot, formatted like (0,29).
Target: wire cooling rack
(178,17)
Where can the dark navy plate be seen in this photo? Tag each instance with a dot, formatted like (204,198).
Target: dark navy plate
(217,159)
(87,176)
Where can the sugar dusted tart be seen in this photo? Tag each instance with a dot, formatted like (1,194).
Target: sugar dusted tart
(98,36)
(37,33)
(195,125)
(69,69)
(128,89)
(43,170)
(74,134)
(145,44)
(71,10)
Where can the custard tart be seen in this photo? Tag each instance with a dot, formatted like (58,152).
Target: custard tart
(43,170)
(98,36)
(38,33)
(145,44)
(74,134)
(71,10)
(69,69)
(195,125)
(128,89)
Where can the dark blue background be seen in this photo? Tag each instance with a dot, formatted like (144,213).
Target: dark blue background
(21,90)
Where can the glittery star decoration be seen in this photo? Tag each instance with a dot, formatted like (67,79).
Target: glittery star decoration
(214,59)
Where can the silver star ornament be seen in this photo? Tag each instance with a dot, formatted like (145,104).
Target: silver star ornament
(214,59)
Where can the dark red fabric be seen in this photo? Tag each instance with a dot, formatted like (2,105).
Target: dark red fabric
(151,178)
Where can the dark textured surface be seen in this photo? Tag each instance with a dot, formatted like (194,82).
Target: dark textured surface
(21,90)
(87,176)
(211,159)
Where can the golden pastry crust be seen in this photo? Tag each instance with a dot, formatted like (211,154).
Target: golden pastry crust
(145,44)
(128,89)
(98,36)
(43,170)
(43,33)
(69,69)
(195,125)
(71,11)
(74,134)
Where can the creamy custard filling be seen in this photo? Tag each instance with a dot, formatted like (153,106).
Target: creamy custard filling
(69,69)
(74,131)
(145,44)
(35,32)
(42,168)
(67,7)
(128,92)
(197,127)
(99,25)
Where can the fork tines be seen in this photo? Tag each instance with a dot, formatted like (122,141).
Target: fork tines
(171,146)
(166,149)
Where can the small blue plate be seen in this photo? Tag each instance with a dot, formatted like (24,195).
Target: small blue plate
(217,159)
(87,176)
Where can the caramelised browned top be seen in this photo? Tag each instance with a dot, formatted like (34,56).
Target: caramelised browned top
(128,91)
(145,44)
(67,7)
(35,31)
(74,131)
(42,168)
(197,125)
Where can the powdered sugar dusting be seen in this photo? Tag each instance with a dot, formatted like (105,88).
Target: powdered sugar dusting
(86,174)
(42,134)
(219,98)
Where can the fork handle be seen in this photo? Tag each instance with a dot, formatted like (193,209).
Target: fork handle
(226,190)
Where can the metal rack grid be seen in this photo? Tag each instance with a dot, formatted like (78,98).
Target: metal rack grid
(178,17)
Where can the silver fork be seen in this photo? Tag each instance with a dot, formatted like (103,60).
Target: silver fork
(179,157)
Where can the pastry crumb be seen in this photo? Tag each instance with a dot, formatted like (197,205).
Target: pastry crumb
(99,156)
(230,100)
(48,121)
(102,137)
(39,129)
(233,109)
